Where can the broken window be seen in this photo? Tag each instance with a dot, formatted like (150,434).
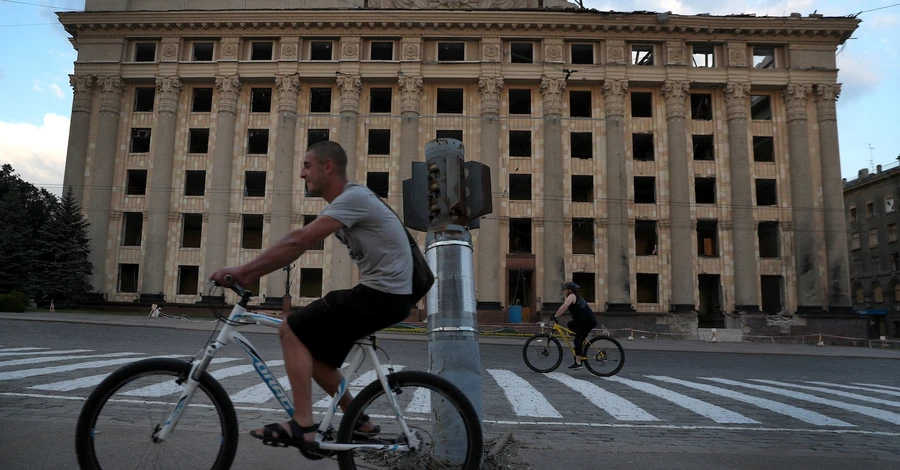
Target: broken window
(198,140)
(761,107)
(889,205)
(145,52)
(769,240)
(449,134)
(587,282)
(450,100)
(582,188)
(703,147)
(582,145)
(310,282)
(852,214)
(314,136)
(644,190)
(320,50)
(519,143)
(202,100)
(260,100)
(192,230)
(519,236)
(378,182)
(642,146)
(308,219)
(583,236)
(379,142)
(143,99)
(766,194)
(254,184)
(582,53)
(873,237)
(521,53)
(451,51)
(708,238)
(128,278)
(641,104)
(257,141)
(203,52)
(701,107)
(252,232)
(132,228)
(382,50)
(520,187)
(763,149)
(261,50)
(641,54)
(140,140)
(137,183)
(857,267)
(645,238)
(854,241)
(647,288)
(188,280)
(895,262)
(870,210)
(519,101)
(704,190)
(253,288)
(892,232)
(772,288)
(703,55)
(764,57)
(380,100)
(580,104)
(195,183)
(320,100)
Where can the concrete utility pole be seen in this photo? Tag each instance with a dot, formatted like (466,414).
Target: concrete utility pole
(445,197)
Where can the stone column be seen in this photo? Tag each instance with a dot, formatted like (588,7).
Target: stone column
(489,291)
(288,88)
(680,181)
(79,128)
(350,87)
(554,250)
(410,97)
(619,277)
(833,200)
(809,283)
(159,191)
(228,90)
(101,188)
(746,281)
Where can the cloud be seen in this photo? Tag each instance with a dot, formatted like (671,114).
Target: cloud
(856,73)
(57,90)
(37,153)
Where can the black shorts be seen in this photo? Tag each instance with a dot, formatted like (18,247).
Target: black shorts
(331,325)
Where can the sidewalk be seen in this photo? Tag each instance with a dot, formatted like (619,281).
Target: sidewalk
(672,345)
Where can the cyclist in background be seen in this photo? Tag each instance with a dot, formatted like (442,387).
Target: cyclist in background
(582,322)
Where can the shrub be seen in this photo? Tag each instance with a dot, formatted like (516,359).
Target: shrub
(15,301)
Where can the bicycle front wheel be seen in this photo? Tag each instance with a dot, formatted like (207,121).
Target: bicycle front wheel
(542,353)
(436,411)
(117,423)
(604,356)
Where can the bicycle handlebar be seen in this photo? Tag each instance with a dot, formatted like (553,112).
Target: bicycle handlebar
(240,291)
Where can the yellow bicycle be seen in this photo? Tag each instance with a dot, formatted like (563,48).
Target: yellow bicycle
(602,355)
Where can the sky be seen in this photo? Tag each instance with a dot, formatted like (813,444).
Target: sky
(36,59)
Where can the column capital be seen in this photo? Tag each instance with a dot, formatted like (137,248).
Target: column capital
(169,88)
(726,225)
(174,216)
(796,96)
(350,87)
(288,87)
(675,92)
(614,92)
(538,222)
(737,95)
(664,223)
(83,91)
(552,90)
(410,93)
(826,97)
(115,215)
(229,88)
(111,89)
(234,217)
(490,87)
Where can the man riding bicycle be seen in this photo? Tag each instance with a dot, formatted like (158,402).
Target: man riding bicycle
(582,322)
(316,338)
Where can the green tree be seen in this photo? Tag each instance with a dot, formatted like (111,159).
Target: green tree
(15,264)
(61,258)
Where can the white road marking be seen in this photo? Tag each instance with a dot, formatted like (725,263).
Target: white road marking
(713,412)
(613,404)
(421,402)
(40,360)
(851,387)
(6,350)
(36,353)
(92,380)
(879,386)
(18,374)
(525,399)
(806,416)
(169,387)
(357,385)
(888,416)
(840,393)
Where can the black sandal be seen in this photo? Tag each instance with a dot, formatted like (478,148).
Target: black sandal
(358,433)
(283,439)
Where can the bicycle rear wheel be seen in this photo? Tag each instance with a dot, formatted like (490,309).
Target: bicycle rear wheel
(116,426)
(542,353)
(439,414)
(604,356)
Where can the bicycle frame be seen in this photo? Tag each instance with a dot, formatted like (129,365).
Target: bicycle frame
(564,333)
(229,334)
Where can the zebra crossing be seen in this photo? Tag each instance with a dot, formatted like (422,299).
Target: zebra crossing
(513,396)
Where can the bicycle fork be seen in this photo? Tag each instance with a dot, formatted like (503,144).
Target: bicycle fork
(190,379)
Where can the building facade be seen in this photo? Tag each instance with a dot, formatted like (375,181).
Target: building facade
(683,169)
(872,201)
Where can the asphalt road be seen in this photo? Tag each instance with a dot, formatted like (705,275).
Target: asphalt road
(666,409)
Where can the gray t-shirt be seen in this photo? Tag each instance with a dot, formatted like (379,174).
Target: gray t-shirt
(377,241)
